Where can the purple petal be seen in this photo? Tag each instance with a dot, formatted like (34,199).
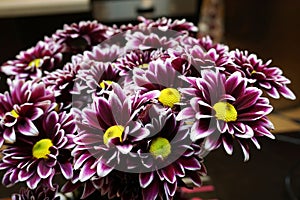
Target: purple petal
(169,174)
(106,117)
(124,148)
(14,176)
(86,172)
(212,141)
(286,92)
(66,169)
(190,163)
(186,113)
(116,109)
(196,179)
(43,170)
(28,128)
(87,190)
(145,179)
(33,181)
(51,120)
(103,170)
(1,141)
(248,99)
(82,158)
(151,192)
(273,93)
(9,135)
(70,187)
(5,180)
(24,175)
(265,85)
(232,82)
(227,143)
(170,188)
(245,148)
(249,133)
(200,130)
(255,142)
(36,113)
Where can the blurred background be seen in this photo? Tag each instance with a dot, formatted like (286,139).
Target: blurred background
(269,28)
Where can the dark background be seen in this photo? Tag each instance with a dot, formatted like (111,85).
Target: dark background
(270,28)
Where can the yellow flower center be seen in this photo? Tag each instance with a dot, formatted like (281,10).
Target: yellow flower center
(160,147)
(14,114)
(41,148)
(144,66)
(169,97)
(57,107)
(35,63)
(102,84)
(113,132)
(253,72)
(225,112)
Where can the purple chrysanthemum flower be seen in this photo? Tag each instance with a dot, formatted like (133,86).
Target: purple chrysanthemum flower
(61,82)
(136,58)
(202,53)
(119,185)
(20,107)
(103,53)
(31,64)
(107,132)
(162,77)
(98,77)
(167,157)
(225,109)
(138,40)
(262,75)
(40,193)
(81,36)
(165,24)
(36,159)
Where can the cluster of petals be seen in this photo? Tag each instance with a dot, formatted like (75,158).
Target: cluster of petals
(129,111)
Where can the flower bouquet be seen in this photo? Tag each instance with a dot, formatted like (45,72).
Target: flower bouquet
(128,112)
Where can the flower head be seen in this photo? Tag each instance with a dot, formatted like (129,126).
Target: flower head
(262,75)
(225,109)
(167,156)
(81,36)
(36,159)
(161,76)
(32,63)
(21,106)
(108,132)
(40,193)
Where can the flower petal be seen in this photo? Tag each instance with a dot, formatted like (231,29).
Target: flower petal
(28,128)
(145,179)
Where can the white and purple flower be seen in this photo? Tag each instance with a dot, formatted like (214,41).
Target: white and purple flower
(225,108)
(21,106)
(36,159)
